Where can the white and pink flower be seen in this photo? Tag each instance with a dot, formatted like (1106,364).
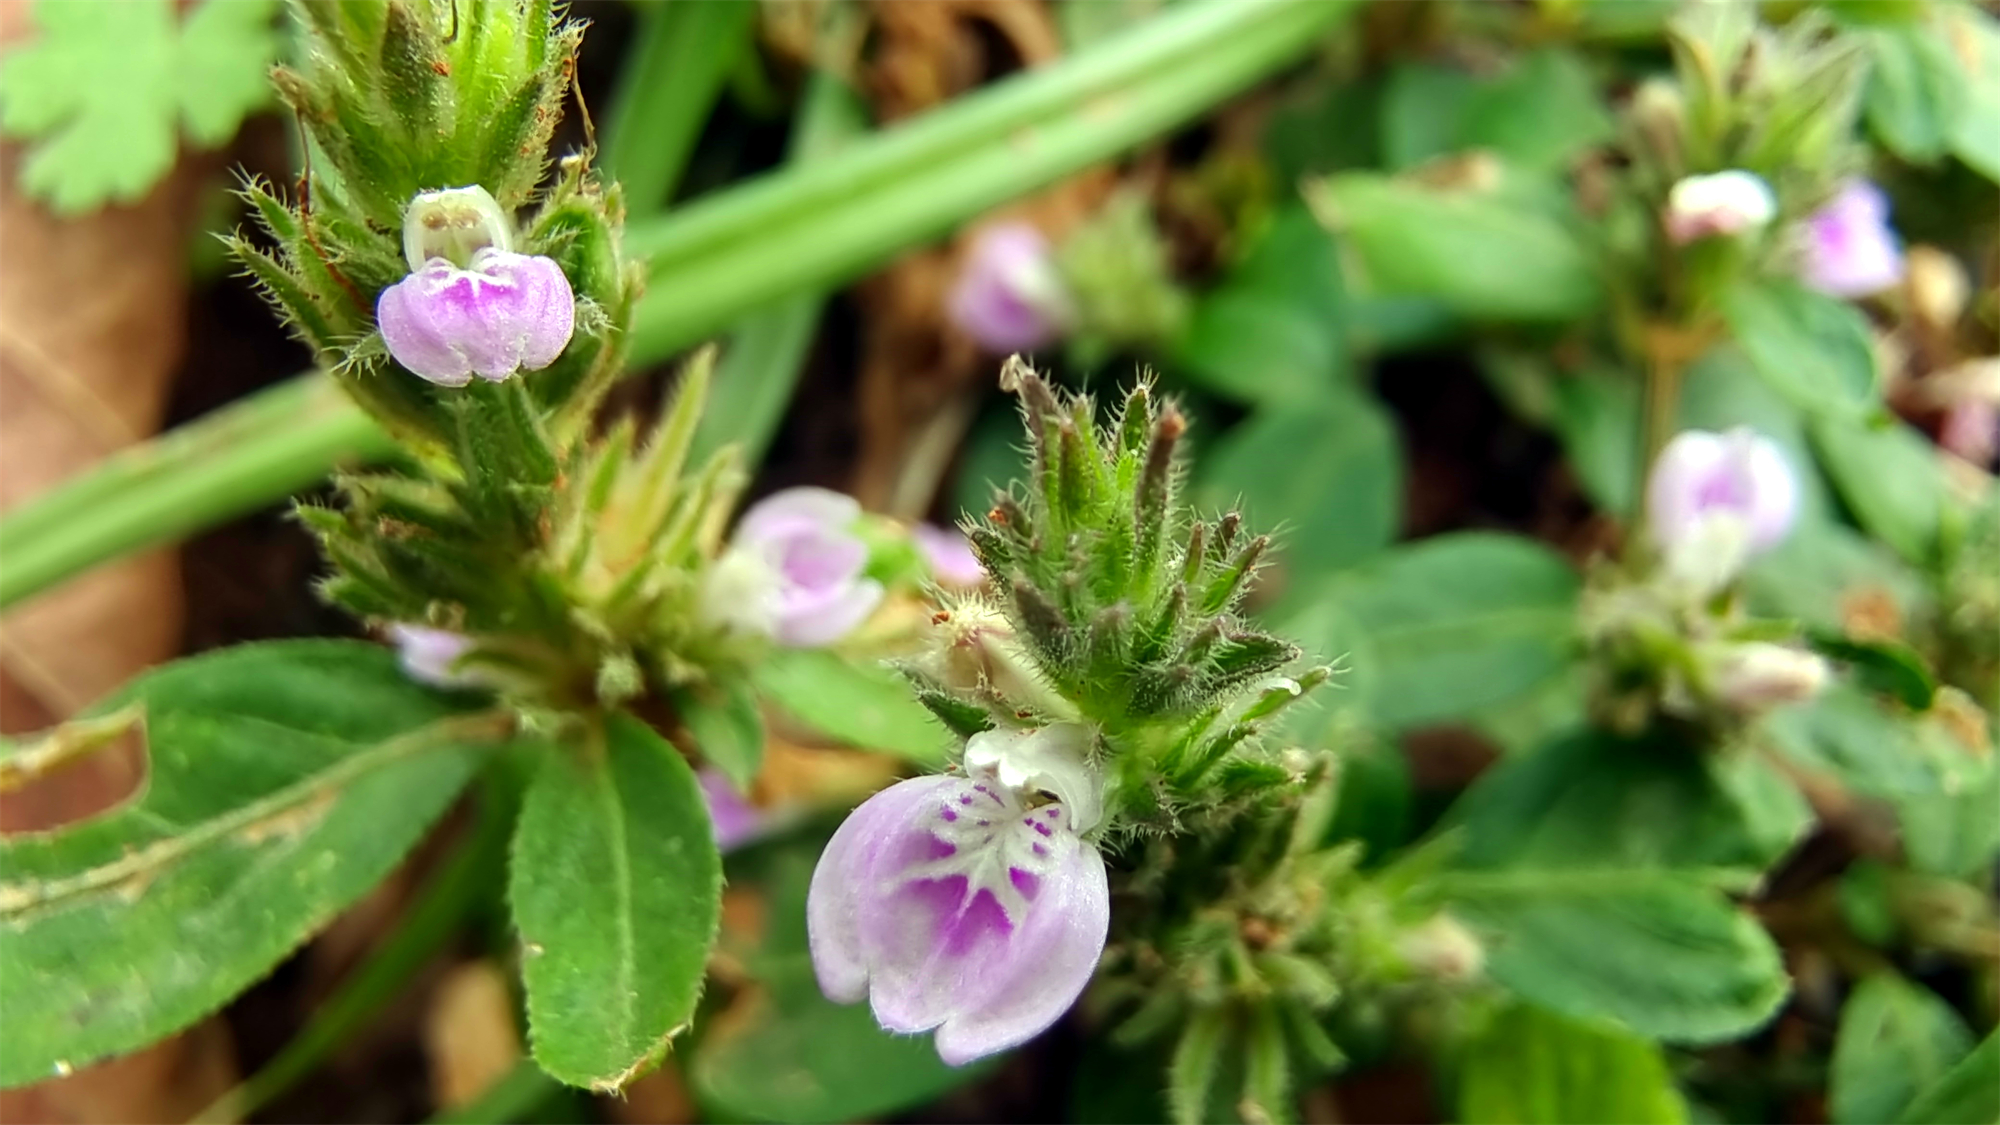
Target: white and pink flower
(1010,296)
(470,305)
(795,571)
(973,907)
(1848,247)
(1715,500)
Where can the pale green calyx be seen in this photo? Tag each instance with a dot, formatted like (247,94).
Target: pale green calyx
(454,224)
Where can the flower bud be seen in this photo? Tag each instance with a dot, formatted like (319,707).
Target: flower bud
(431,656)
(1716,499)
(1719,205)
(980,653)
(795,571)
(1009,296)
(1755,676)
(1442,949)
(1938,287)
(970,906)
(1847,247)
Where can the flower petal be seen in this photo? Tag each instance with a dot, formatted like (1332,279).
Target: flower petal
(1047,964)
(410,328)
(828,617)
(841,884)
(821,507)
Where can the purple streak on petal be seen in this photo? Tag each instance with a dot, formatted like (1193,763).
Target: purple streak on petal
(949,554)
(985,931)
(1052,963)
(1849,248)
(410,329)
(793,507)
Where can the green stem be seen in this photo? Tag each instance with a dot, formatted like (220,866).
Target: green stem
(766,352)
(799,230)
(236,460)
(435,916)
(666,91)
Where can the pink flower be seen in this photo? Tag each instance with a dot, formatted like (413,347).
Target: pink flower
(1010,298)
(795,571)
(971,906)
(737,822)
(1849,250)
(430,656)
(950,556)
(1716,499)
(1718,205)
(505,313)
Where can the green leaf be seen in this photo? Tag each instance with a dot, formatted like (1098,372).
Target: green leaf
(1532,1067)
(1483,256)
(1423,111)
(1325,474)
(1890,667)
(1915,91)
(1597,799)
(1896,1038)
(783,1052)
(727,727)
(616,887)
(868,706)
(1272,331)
(1811,348)
(105,88)
(284,780)
(1597,417)
(1821,567)
(1890,477)
(1663,954)
(1450,625)
(1870,747)
(1541,114)
(1968,1095)
(1943,792)
(1975,138)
